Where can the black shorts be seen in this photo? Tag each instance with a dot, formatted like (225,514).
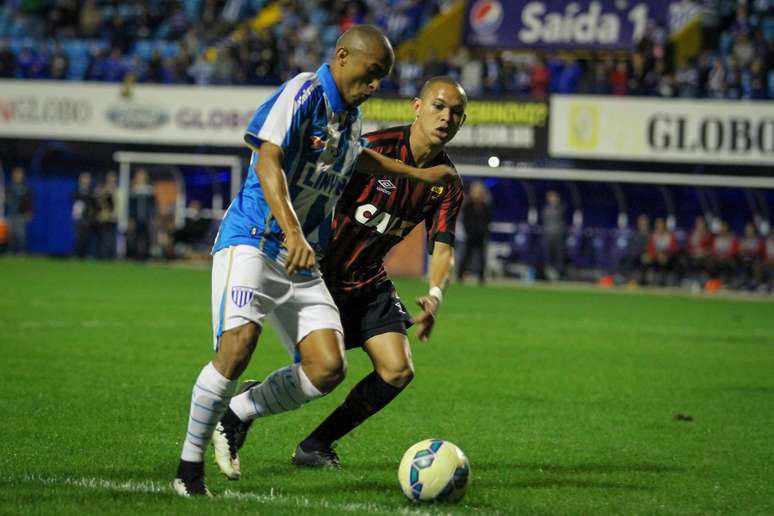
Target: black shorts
(373,312)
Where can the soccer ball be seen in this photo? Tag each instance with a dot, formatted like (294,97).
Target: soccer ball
(434,470)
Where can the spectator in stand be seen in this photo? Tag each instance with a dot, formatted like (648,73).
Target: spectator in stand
(119,33)
(434,65)
(493,73)
(114,66)
(59,64)
(736,61)
(409,71)
(352,17)
(202,70)
(90,19)
(7,61)
(637,78)
(662,251)
(698,252)
(716,81)
(554,234)
(665,83)
(568,78)
(475,220)
(19,208)
(733,79)
(743,51)
(540,79)
(750,257)
(155,67)
(31,64)
(724,253)
(687,80)
(106,201)
(85,218)
(142,211)
(769,65)
(618,79)
(468,70)
(599,83)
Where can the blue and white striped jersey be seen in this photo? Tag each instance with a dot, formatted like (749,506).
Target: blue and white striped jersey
(320,137)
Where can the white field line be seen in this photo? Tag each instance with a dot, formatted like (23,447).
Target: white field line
(151,487)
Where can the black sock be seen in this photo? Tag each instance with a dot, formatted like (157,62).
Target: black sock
(230,418)
(190,470)
(365,399)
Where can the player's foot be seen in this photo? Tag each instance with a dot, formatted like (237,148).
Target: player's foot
(315,455)
(189,480)
(229,436)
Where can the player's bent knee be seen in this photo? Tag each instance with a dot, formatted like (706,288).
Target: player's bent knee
(331,373)
(323,359)
(235,349)
(397,377)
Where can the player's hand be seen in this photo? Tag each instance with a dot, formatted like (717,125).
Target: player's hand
(426,320)
(438,175)
(300,253)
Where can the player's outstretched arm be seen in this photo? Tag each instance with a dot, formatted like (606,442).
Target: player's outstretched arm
(375,164)
(275,190)
(440,267)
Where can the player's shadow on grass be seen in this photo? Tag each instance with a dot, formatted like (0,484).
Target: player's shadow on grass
(549,468)
(566,475)
(574,469)
(367,489)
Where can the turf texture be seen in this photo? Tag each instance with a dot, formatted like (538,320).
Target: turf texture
(566,402)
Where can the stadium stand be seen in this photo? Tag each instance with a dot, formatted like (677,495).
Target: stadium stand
(261,42)
(206,42)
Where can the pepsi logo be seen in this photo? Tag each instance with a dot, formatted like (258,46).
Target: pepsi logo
(486,16)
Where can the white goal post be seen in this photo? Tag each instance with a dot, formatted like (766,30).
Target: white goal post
(126,159)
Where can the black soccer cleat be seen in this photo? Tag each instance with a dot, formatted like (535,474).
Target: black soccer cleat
(189,480)
(229,436)
(310,456)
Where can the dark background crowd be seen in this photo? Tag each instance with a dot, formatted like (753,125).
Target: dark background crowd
(210,42)
(261,42)
(95,207)
(653,252)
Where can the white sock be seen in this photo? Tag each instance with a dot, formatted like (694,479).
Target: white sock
(285,389)
(209,401)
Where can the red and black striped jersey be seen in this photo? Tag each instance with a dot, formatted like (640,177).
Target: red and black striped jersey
(375,213)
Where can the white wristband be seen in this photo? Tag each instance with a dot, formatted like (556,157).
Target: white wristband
(437,293)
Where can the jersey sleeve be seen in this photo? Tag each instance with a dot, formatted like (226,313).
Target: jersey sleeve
(442,222)
(276,120)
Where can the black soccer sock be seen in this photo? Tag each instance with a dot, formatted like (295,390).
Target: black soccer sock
(365,399)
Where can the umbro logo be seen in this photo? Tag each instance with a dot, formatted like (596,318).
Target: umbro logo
(385,186)
(317,143)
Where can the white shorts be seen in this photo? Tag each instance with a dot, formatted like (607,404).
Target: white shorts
(248,286)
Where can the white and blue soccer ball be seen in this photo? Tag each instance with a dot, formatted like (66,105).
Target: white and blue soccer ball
(434,470)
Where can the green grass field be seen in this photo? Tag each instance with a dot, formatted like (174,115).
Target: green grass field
(564,402)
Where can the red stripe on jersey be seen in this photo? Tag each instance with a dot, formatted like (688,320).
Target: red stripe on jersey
(375,213)
(387,134)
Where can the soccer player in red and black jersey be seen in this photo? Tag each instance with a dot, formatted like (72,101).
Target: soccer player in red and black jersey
(373,215)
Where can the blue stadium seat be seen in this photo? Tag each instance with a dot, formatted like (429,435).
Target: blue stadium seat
(144,49)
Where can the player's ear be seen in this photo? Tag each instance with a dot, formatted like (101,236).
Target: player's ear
(462,120)
(415,105)
(342,54)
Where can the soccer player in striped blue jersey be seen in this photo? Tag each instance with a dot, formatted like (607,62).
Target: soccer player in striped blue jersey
(306,143)
(373,215)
